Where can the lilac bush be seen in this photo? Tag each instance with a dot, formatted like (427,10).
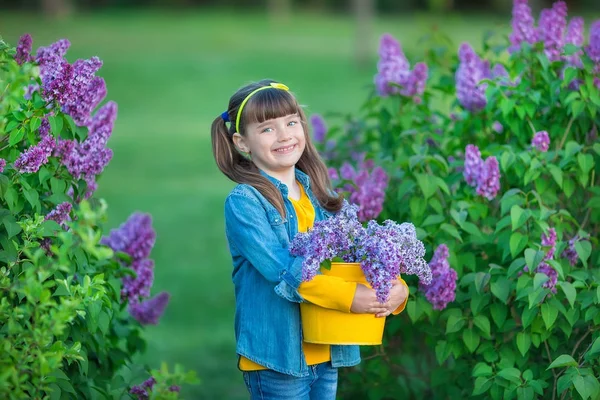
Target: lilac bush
(497,169)
(70,297)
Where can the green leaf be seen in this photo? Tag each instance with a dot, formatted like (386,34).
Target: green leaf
(427,184)
(518,241)
(414,312)
(11,226)
(549,315)
(523,342)
(433,220)
(586,386)
(557,174)
(451,229)
(481,369)
(572,148)
(594,350)
(442,351)
(536,297)
(538,280)
(528,316)
(586,162)
(35,123)
(583,249)
(506,160)
(455,323)
(518,217)
(533,258)
(483,323)
(442,185)
(33,197)
(12,124)
(501,289)
(569,187)
(510,374)
(525,393)
(563,360)
(499,313)
(471,339)
(482,385)
(577,108)
(570,292)
(16,136)
(56,125)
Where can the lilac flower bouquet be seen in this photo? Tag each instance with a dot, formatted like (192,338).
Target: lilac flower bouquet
(383,251)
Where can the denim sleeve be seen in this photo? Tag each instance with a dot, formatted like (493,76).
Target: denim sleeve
(250,233)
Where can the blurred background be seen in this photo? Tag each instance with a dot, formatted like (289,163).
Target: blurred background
(171,65)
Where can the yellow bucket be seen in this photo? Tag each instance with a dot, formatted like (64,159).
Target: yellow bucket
(326,326)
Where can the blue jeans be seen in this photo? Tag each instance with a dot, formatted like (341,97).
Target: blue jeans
(320,384)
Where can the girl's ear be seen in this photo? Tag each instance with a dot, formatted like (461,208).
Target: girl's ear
(240,143)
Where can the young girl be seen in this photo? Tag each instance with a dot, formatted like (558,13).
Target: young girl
(283,189)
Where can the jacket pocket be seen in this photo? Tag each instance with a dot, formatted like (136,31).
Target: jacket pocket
(279,226)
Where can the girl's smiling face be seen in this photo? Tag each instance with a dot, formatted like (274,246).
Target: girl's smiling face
(275,145)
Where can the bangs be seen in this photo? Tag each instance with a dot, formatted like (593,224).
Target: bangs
(269,104)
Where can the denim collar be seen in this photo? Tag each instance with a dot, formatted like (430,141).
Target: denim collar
(300,176)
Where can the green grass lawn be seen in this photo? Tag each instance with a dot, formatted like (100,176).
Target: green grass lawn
(172,74)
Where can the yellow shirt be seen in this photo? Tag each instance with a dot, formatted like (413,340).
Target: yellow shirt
(324,291)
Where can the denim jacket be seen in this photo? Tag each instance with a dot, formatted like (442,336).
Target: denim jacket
(266,277)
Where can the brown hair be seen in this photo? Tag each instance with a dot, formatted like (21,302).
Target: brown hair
(264,105)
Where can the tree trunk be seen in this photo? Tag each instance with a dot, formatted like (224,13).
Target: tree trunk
(364,11)
(57,8)
(279,10)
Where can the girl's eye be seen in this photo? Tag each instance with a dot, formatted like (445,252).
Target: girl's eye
(292,123)
(267,130)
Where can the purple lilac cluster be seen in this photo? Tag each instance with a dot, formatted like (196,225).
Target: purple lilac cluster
(574,36)
(2,164)
(551,30)
(593,48)
(60,214)
(88,159)
(484,176)
(541,141)
(23,54)
(442,289)
(389,250)
(366,187)
(497,127)
(319,128)
(77,90)
(384,251)
(548,240)
(75,87)
(393,71)
(143,391)
(37,155)
(570,253)
(148,312)
(136,237)
(523,29)
(471,70)
(333,237)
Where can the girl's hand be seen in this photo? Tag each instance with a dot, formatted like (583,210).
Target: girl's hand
(365,301)
(398,295)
